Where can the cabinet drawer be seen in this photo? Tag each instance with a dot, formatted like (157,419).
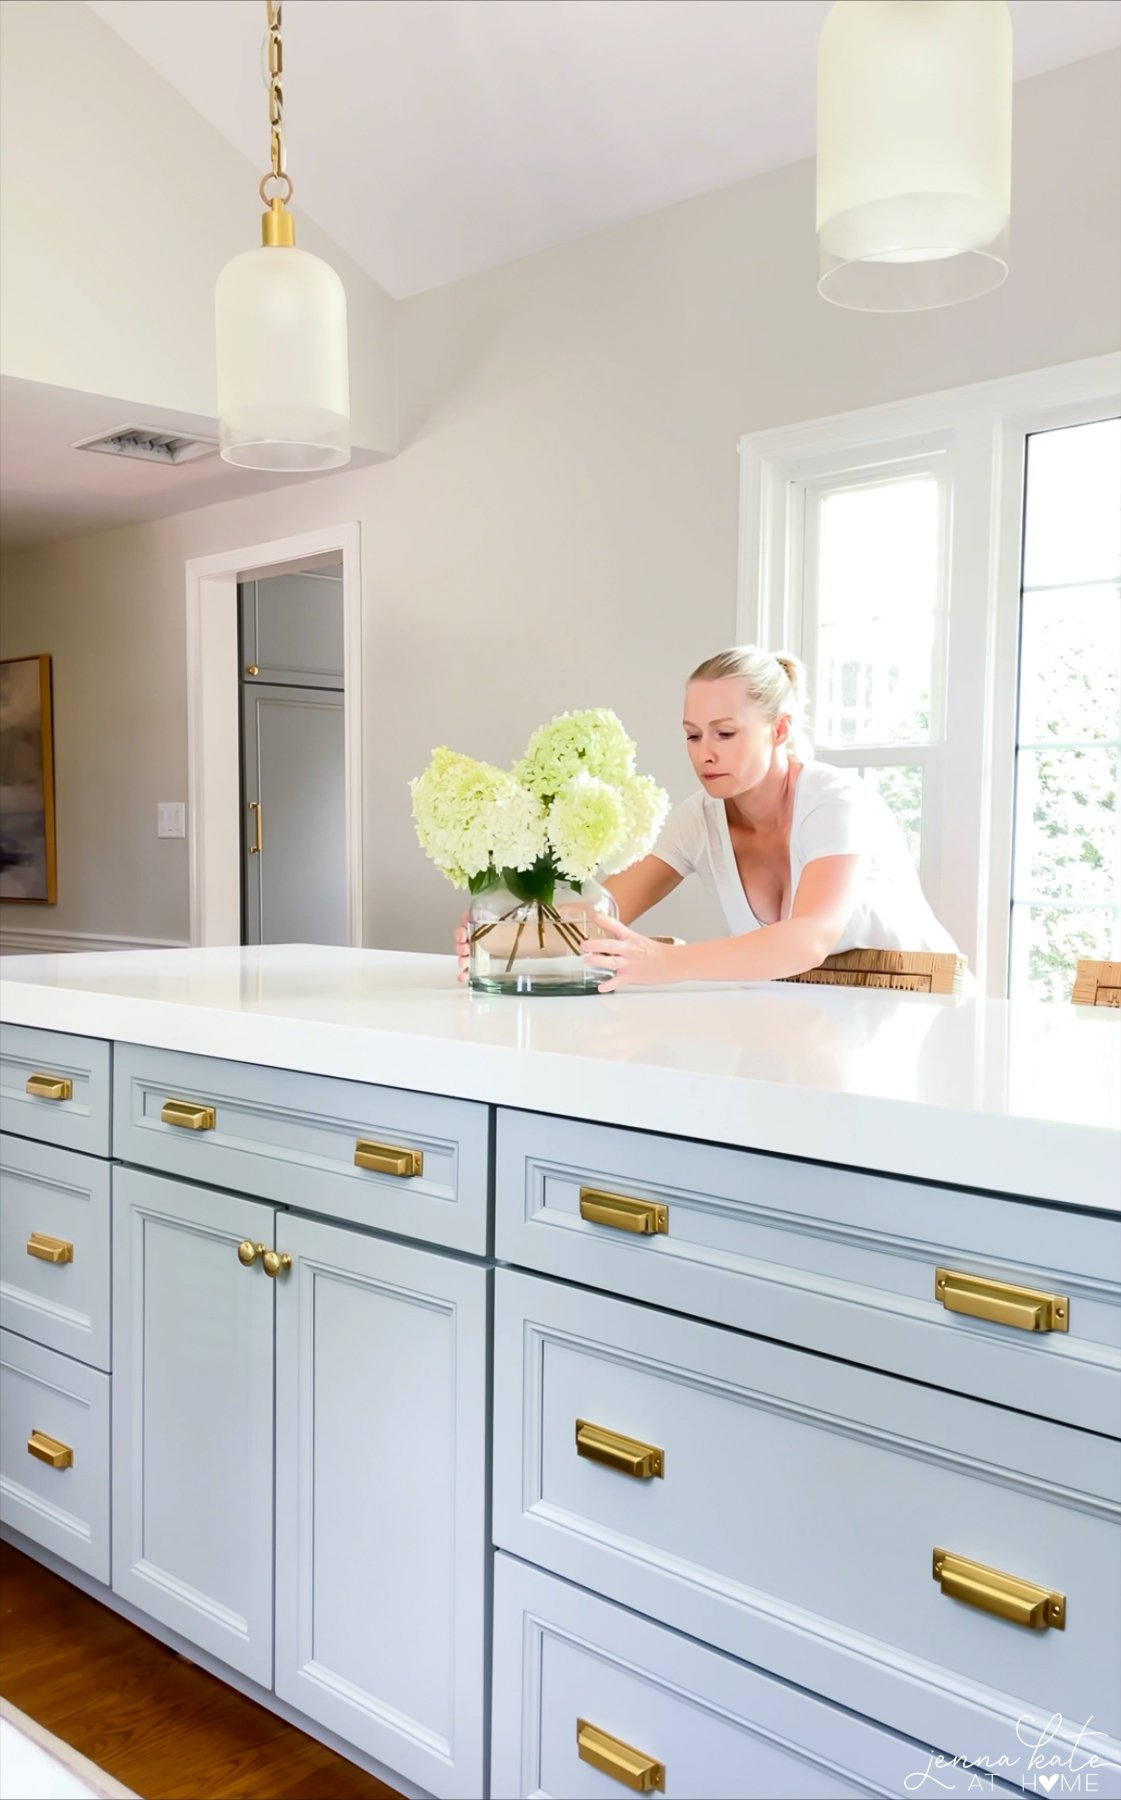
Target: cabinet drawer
(54,1248)
(62,1408)
(798,1508)
(71,1108)
(565,1659)
(833,1259)
(293,1138)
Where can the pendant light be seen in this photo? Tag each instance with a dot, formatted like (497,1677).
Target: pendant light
(280,313)
(914,151)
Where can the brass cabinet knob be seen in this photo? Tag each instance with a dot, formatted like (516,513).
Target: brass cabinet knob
(50,1087)
(277,1262)
(247,1253)
(252,669)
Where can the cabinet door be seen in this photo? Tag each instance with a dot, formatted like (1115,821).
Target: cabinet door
(193,1415)
(381,1442)
(294,845)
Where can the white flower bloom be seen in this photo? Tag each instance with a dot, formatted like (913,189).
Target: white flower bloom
(471,816)
(593,742)
(587,823)
(646,806)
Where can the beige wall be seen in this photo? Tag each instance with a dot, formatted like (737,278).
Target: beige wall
(118,206)
(559,528)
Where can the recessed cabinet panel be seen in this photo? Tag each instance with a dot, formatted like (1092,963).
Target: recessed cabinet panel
(413,1164)
(292,629)
(796,1509)
(54,1453)
(54,1248)
(55,1087)
(838,1260)
(381,1520)
(590,1700)
(193,1415)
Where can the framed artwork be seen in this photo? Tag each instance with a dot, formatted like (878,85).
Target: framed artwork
(27,832)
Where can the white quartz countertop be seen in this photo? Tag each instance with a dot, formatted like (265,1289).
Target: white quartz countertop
(1018,1098)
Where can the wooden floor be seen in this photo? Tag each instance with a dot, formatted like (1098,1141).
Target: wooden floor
(155,1722)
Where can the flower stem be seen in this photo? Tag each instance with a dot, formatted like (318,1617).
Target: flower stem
(517,941)
(565,929)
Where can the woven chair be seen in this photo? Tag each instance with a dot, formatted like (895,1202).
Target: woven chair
(1097,983)
(918,971)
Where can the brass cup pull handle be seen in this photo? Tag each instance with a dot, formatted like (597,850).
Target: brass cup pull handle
(49,1249)
(1028,1309)
(276,1262)
(623,1213)
(388,1159)
(993,1591)
(630,1456)
(248,1252)
(258,843)
(621,1761)
(187,1114)
(50,1087)
(50,1450)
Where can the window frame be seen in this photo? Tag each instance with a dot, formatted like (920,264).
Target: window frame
(978,434)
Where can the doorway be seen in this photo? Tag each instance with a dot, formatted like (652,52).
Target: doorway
(296,730)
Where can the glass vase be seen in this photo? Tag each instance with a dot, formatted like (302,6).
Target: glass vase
(533,946)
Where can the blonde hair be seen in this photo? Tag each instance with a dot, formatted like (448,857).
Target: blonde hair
(776,684)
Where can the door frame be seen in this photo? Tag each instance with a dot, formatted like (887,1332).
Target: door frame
(213,725)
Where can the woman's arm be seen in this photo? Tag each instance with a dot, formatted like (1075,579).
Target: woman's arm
(641,886)
(822,907)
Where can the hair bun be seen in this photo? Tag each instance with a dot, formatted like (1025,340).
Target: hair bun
(795,673)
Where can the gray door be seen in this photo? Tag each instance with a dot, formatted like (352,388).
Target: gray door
(294,818)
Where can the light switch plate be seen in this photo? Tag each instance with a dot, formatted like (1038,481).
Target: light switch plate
(171,818)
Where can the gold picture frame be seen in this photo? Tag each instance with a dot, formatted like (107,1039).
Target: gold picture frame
(28,867)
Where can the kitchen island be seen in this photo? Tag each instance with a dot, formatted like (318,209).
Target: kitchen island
(795,1309)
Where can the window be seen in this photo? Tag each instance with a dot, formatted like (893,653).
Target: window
(963,652)
(874,604)
(1066,872)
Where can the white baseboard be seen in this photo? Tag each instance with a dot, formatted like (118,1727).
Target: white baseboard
(44,942)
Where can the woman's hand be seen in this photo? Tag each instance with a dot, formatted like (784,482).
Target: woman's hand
(633,960)
(462,950)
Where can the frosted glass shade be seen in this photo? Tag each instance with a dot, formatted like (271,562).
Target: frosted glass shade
(914,151)
(283,383)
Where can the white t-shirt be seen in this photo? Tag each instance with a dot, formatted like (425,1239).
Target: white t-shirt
(835,814)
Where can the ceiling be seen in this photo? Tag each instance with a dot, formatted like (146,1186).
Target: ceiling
(52,491)
(432,139)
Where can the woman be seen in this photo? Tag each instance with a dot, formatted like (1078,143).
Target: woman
(804,858)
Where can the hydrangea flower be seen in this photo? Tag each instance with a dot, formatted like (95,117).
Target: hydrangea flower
(472,817)
(587,823)
(593,742)
(646,806)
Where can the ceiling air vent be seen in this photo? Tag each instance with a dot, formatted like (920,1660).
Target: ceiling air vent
(146,444)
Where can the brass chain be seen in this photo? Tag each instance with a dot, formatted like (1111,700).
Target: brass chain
(276,92)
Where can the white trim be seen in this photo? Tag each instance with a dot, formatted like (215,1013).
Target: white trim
(47,943)
(984,427)
(213,828)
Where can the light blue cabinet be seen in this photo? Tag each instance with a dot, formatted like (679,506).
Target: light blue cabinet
(381,1525)
(301,1441)
(193,1416)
